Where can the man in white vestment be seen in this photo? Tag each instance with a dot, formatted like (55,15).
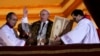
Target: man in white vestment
(8,36)
(83,33)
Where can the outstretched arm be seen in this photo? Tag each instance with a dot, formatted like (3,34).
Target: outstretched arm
(25,12)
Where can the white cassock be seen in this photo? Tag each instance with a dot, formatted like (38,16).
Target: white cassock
(84,33)
(8,37)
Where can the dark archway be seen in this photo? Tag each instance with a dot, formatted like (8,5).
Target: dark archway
(93,7)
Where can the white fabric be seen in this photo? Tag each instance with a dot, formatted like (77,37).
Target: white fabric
(24,20)
(43,35)
(84,33)
(25,25)
(8,37)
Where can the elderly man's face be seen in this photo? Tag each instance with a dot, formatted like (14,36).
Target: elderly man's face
(13,20)
(44,15)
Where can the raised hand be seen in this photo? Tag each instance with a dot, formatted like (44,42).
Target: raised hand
(25,12)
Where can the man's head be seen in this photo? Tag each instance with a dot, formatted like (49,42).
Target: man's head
(44,15)
(11,19)
(77,15)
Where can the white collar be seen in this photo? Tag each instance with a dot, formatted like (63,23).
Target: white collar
(46,22)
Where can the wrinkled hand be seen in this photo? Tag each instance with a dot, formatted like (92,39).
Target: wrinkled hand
(30,40)
(28,34)
(57,39)
(25,12)
(42,40)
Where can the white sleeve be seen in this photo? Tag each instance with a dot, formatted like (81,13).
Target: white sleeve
(25,25)
(20,43)
(24,20)
(8,42)
(5,39)
(76,35)
(66,39)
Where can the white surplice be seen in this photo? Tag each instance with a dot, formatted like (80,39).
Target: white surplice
(83,33)
(8,37)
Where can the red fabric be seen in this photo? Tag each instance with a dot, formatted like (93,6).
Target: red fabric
(87,16)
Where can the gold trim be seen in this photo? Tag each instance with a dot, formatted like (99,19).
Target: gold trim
(51,52)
